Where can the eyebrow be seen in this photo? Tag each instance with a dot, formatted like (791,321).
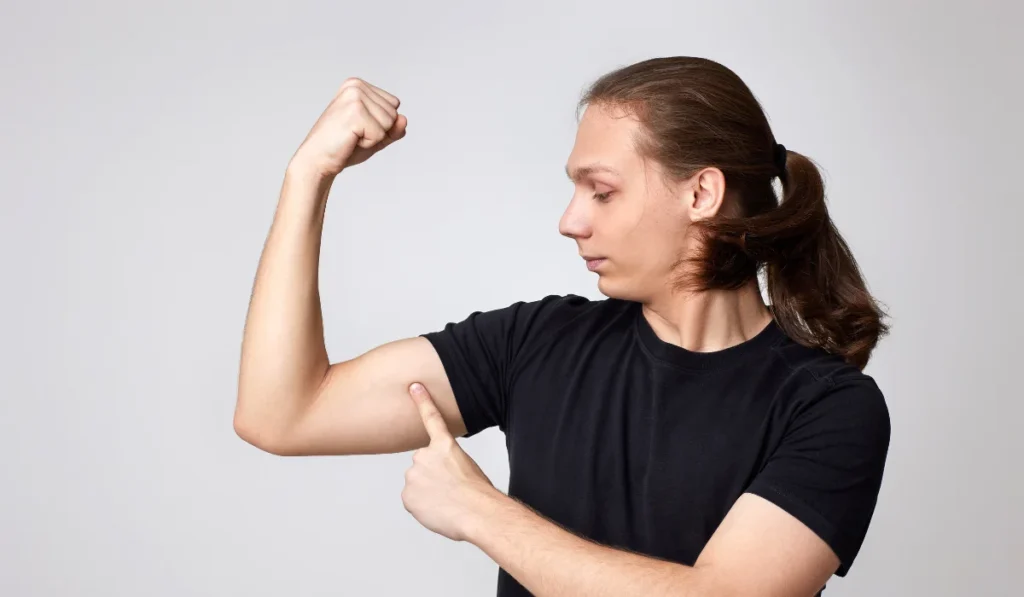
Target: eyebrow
(582,171)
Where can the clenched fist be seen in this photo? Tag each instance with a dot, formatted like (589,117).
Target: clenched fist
(361,120)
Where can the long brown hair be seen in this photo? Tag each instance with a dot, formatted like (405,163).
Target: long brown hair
(696,113)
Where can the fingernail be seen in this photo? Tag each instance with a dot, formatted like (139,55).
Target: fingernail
(416,387)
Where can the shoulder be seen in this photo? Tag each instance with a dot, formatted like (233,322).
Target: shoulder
(554,310)
(537,322)
(829,393)
(522,325)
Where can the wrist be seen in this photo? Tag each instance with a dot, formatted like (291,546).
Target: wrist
(486,507)
(304,190)
(301,172)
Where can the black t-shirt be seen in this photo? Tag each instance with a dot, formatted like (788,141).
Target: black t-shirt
(640,444)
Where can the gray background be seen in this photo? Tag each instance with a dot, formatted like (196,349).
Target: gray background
(143,146)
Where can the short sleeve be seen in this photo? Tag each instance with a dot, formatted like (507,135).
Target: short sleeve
(479,352)
(827,470)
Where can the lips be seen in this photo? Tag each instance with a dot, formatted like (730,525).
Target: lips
(593,262)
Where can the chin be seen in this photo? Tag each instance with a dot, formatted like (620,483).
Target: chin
(625,288)
(615,288)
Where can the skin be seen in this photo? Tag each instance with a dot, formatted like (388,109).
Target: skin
(639,224)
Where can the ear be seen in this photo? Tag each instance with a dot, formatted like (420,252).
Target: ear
(705,193)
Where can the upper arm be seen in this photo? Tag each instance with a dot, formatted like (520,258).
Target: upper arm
(806,513)
(760,549)
(363,405)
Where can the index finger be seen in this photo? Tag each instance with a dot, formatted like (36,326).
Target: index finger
(432,419)
(394,101)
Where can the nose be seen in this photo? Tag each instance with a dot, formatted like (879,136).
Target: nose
(575,222)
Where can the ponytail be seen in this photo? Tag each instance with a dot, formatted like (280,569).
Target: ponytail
(815,288)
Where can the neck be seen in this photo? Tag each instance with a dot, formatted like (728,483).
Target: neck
(708,321)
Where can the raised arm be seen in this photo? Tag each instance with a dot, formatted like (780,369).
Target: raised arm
(291,399)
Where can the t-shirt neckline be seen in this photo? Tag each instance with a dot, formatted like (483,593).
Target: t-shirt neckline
(690,359)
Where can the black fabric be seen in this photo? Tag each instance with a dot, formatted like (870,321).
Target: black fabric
(640,444)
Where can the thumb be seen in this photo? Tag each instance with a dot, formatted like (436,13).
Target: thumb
(397,130)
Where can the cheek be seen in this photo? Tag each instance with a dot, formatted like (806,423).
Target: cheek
(644,235)
(657,243)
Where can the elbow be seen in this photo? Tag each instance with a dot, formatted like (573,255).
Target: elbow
(259,434)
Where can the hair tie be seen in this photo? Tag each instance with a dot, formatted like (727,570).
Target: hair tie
(779,157)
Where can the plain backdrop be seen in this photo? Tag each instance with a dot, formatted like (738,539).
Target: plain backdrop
(143,145)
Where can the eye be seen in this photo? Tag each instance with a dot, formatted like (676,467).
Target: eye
(602,197)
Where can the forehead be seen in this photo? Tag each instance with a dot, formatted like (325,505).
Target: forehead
(604,137)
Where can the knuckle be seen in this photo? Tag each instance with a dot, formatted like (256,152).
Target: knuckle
(352,88)
(350,95)
(350,82)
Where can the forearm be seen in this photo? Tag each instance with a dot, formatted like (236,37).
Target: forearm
(284,358)
(548,560)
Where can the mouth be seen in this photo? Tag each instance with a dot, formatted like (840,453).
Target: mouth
(593,262)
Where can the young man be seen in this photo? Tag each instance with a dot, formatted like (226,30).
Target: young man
(674,439)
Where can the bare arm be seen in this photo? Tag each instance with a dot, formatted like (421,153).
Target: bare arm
(291,400)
